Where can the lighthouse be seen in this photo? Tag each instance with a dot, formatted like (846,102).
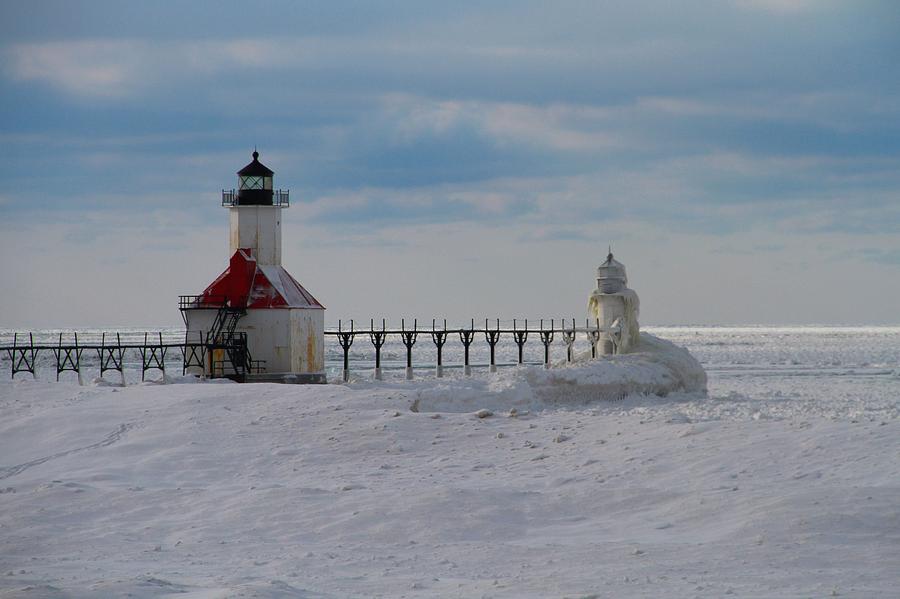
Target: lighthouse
(256,321)
(615,307)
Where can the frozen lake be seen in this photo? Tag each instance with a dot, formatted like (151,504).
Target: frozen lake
(784,482)
(853,364)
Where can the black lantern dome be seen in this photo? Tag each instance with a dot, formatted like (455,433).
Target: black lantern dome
(255,184)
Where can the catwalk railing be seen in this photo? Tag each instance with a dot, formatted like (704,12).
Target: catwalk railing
(225,352)
(492,333)
(224,355)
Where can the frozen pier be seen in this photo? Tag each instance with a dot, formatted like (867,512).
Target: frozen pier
(226,354)
(546,332)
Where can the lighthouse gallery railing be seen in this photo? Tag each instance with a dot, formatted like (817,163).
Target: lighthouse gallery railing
(280,197)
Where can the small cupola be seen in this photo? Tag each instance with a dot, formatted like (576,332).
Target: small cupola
(255,184)
(611,276)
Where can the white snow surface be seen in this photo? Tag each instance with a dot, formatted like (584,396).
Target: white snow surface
(775,485)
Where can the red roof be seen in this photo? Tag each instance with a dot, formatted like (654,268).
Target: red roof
(248,284)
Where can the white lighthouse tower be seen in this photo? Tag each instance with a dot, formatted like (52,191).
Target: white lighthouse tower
(257,321)
(616,307)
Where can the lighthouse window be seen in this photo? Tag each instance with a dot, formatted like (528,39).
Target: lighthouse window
(267,183)
(252,182)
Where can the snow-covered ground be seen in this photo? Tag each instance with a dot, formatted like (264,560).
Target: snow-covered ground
(784,482)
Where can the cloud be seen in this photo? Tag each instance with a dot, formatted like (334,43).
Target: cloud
(377,209)
(556,126)
(118,68)
(90,68)
(779,6)
(890,256)
(557,234)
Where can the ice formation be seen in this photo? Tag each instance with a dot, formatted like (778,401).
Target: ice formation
(654,367)
(629,363)
(615,307)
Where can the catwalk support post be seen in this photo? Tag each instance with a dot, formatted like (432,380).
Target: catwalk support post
(546,339)
(153,357)
(409,339)
(111,357)
(345,338)
(492,337)
(439,338)
(378,339)
(593,337)
(68,357)
(569,339)
(520,337)
(466,337)
(22,358)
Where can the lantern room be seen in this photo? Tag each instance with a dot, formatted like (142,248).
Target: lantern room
(611,275)
(255,184)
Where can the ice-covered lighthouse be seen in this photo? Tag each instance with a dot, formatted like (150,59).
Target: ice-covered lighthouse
(257,321)
(615,307)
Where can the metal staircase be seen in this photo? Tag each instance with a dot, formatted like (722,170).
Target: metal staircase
(225,323)
(228,350)
(237,362)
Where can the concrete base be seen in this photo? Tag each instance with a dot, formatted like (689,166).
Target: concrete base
(286,377)
(378,375)
(467,370)
(409,373)
(439,371)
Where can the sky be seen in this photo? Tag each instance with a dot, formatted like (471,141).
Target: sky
(457,159)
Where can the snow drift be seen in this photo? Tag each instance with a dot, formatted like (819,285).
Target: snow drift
(657,367)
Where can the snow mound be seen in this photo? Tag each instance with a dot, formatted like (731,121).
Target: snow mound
(658,367)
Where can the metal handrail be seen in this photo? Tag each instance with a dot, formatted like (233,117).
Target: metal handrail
(281,198)
(593,331)
(210,302)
